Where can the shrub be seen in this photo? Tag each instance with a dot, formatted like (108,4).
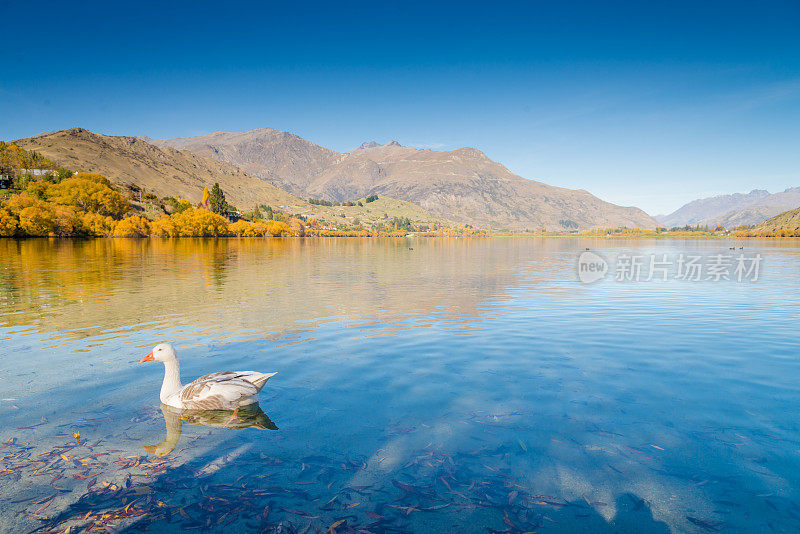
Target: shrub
(165,227)
(37,189)
(242,228)
(88,192)
(133,226)
(37,220)
(277,228)
(98,225)
(66,221)
(16,203)
(178,204)
(297,227)
(197,222)
(8,223)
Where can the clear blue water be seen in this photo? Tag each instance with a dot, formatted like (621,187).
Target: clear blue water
(423,386)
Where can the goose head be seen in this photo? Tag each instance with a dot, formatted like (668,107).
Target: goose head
(163,352)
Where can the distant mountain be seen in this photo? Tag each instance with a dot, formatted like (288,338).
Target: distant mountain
(760,211)
(733,210)
(462,185)
(705,208)
(370,144)
(280,158)
(162,171)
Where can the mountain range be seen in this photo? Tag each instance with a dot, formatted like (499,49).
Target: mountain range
(130,161)
(162,171)
(268,166)
(733,210)
(462,185)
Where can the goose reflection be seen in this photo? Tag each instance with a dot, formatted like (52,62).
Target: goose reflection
(248,416)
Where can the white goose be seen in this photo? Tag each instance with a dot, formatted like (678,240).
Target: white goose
(217,391)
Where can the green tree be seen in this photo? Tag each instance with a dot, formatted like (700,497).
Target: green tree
(217,200)
(270,215)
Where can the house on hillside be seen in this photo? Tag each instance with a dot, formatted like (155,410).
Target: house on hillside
(5,181)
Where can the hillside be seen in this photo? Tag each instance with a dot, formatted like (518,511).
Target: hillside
(788,221)
(371,213)
(463,185)
(162,171)
(170,172)
(733,210)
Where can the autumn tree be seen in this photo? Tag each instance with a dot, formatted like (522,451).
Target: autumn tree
(199,223)
(38,220)
(133,226)
(8,223)
(87,192)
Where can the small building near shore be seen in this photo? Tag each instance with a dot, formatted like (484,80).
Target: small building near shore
(37,172)
(233,215)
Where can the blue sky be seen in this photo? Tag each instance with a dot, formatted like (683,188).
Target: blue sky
(641,104)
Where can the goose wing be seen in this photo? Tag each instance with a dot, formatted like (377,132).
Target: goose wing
(254,377)
(218,391)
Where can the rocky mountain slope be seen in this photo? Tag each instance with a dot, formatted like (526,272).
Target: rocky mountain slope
(463,185)
(162,171)
(170,172)
(788,220)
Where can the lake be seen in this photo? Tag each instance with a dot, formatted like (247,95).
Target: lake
(424,385)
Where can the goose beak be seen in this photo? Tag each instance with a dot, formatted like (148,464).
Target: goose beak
(148,358)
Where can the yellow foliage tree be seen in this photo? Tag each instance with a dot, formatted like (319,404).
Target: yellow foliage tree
(8,223)
(97,225)
(88,192)
(277,228)
(165,227)
(242,228)
(93,177)
(37,189)
(133,226)
(298,227)
(16,203)
(66,221)
(196,222)
(37,220)
(260,229)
